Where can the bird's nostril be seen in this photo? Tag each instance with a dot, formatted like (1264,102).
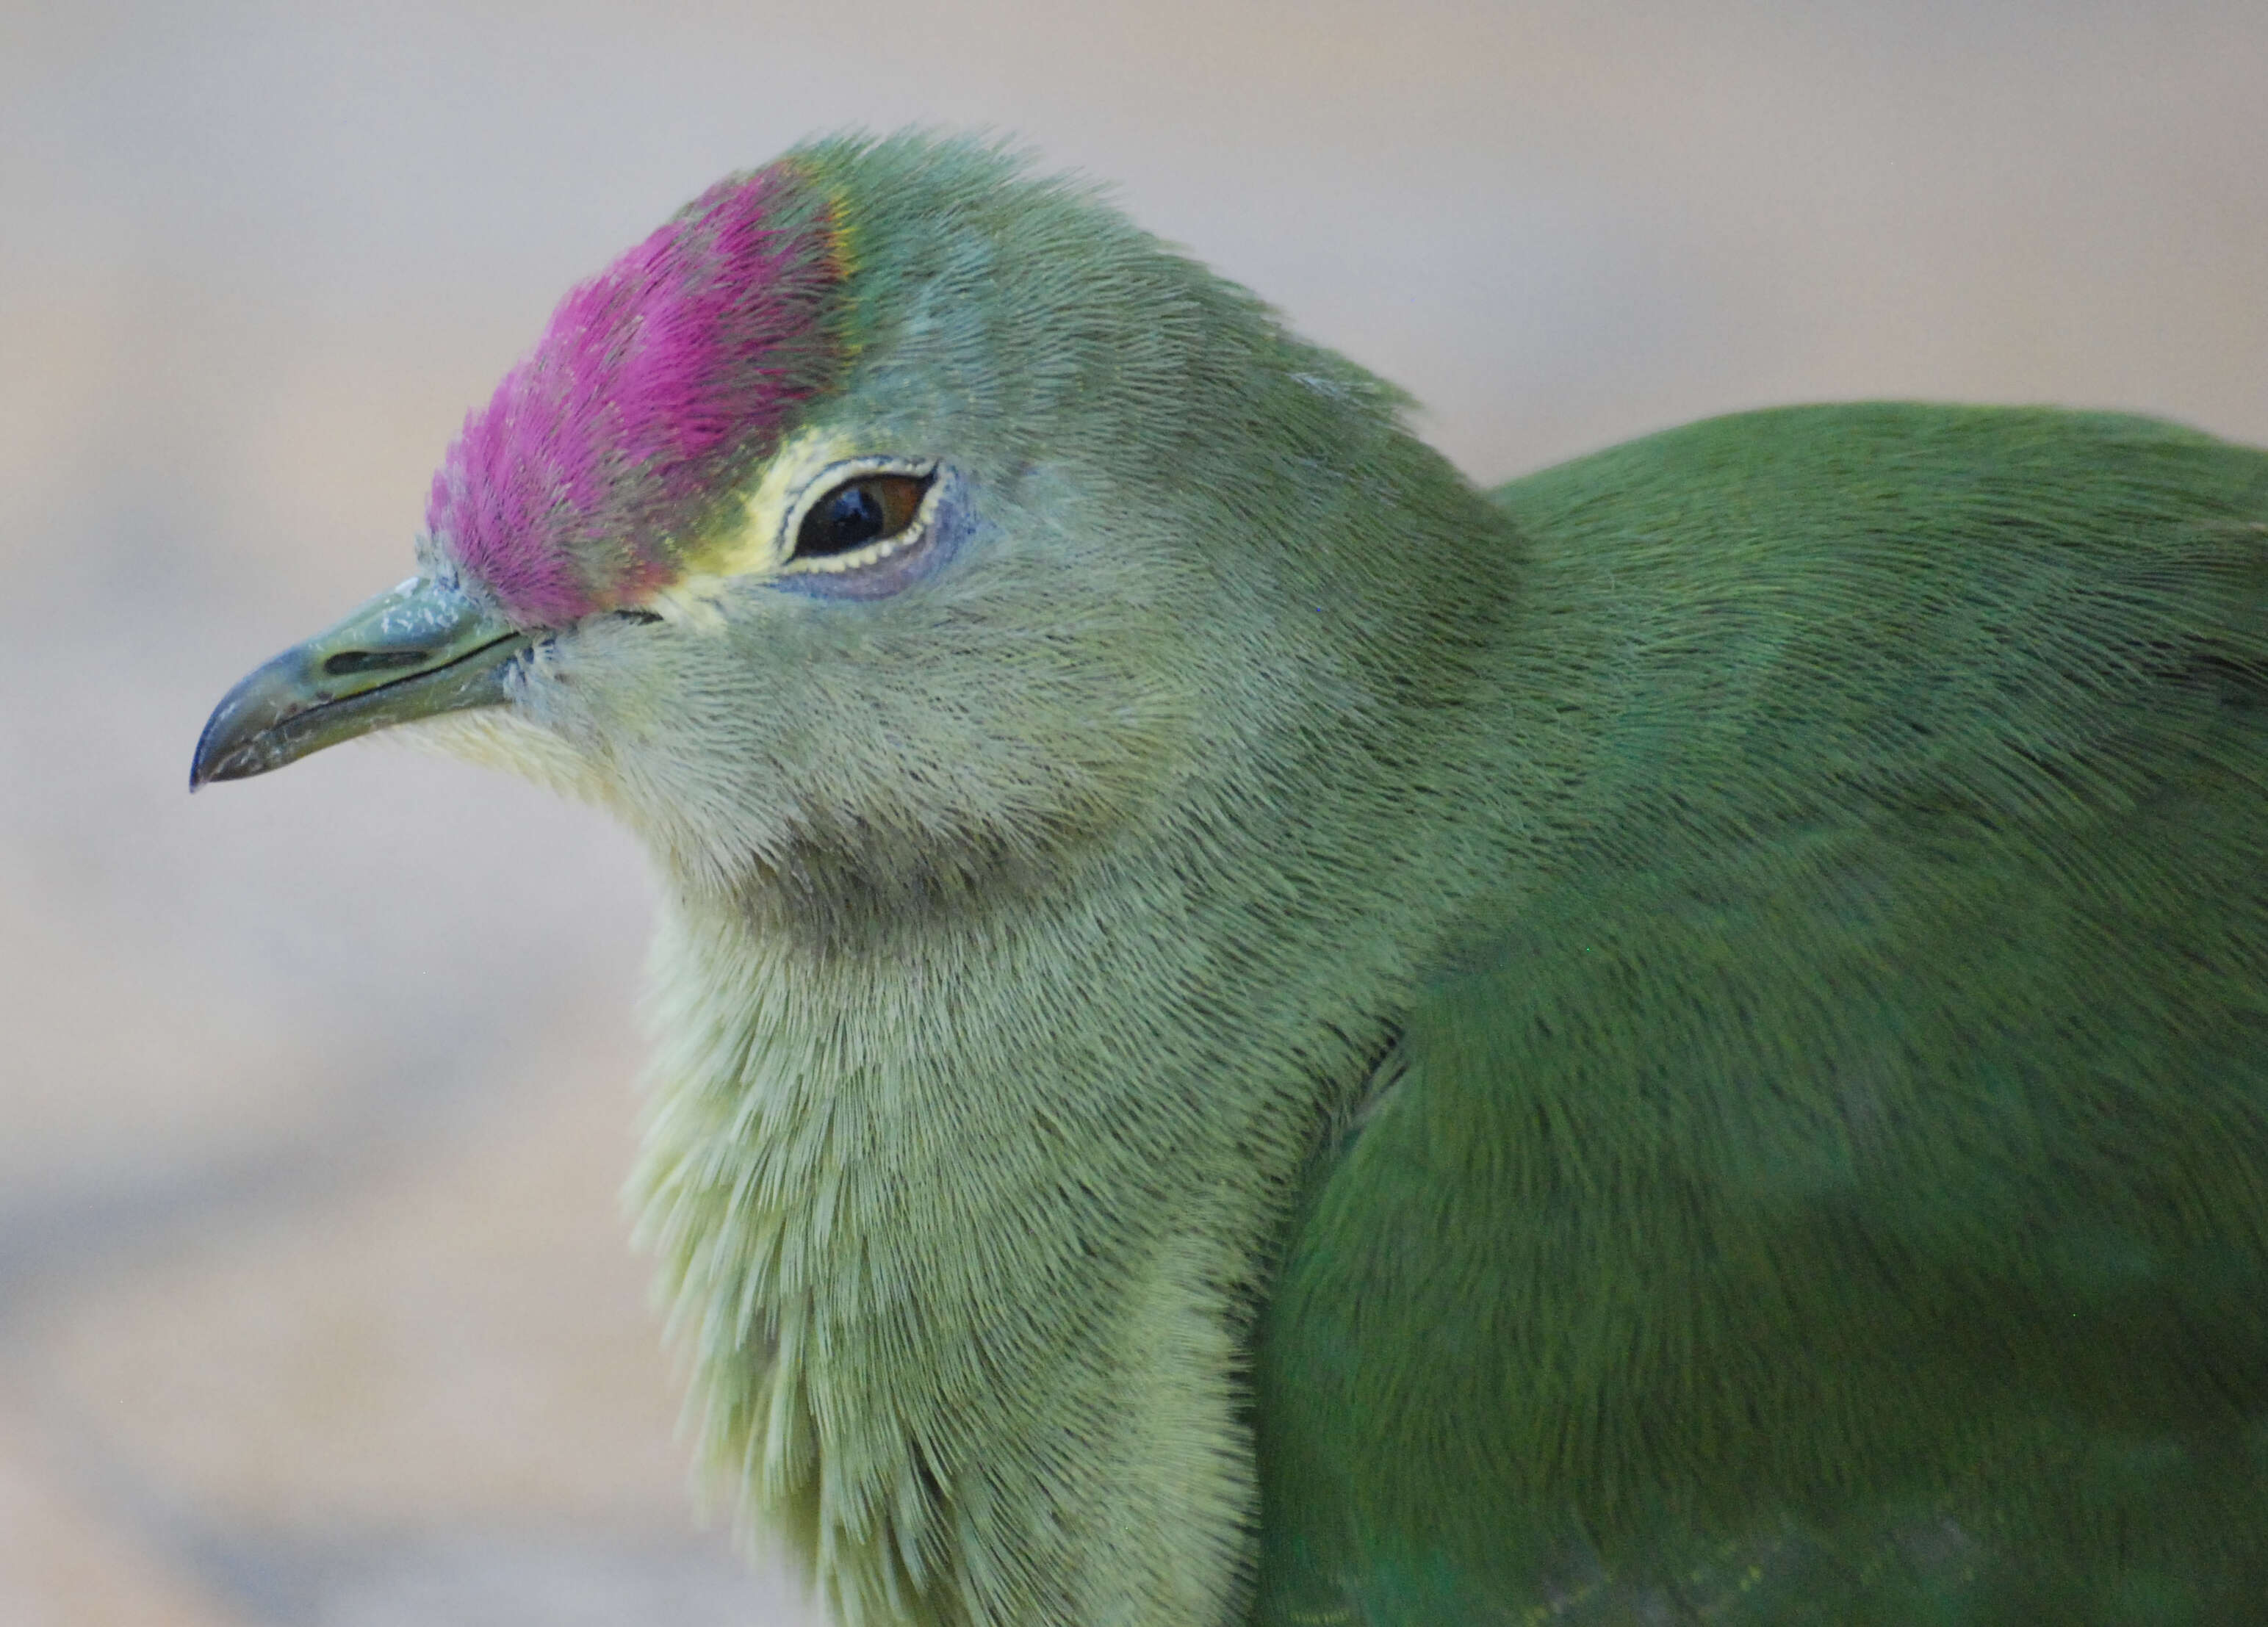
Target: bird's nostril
(348,663)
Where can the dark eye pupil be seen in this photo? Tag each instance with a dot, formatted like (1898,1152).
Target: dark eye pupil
(848,517)
(859,512)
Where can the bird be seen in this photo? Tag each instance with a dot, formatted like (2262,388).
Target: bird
(1246,1031)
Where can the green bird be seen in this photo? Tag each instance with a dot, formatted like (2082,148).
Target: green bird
(1248,1033)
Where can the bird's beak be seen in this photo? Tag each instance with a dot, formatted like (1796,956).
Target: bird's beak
(422,649)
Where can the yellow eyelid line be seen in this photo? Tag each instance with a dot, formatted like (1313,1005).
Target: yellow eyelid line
(826,482)
(760,543)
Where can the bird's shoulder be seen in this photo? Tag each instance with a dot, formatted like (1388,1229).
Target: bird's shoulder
(1838,1176)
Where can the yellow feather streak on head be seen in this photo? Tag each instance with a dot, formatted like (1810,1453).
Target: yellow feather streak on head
(754,541)
(752,538)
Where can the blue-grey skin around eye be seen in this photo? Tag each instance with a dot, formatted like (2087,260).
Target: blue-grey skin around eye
(949,522)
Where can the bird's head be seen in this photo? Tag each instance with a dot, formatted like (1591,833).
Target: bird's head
(887,528)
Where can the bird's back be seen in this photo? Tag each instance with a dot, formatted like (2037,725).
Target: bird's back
(1833,1184)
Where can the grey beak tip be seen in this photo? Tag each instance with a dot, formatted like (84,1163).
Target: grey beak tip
(203,770)
(202,767)
(227,747)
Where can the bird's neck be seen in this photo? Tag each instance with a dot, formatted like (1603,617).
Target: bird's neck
(966,1243)
(966,1229)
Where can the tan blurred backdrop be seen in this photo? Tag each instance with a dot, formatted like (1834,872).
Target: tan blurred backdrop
(315,1092)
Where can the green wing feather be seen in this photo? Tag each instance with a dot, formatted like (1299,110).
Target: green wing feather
(1836,1188)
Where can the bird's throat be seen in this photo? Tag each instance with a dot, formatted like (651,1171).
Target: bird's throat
(966,1245)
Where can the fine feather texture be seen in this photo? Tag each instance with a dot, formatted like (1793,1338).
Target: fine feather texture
(1840,1188)
(1732,973)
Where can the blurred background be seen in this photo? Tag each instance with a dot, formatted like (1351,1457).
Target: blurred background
(315,1093)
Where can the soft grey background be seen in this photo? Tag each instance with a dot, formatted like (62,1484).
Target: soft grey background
(315,1092)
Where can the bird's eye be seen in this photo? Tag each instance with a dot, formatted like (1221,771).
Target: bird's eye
(871,508)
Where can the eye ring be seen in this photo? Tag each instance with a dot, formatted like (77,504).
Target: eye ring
(859,514)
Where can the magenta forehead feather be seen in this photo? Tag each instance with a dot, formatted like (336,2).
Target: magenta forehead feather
(611,447)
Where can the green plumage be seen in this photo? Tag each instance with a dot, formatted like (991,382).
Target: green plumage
(1246,1034)
(1832,1185)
